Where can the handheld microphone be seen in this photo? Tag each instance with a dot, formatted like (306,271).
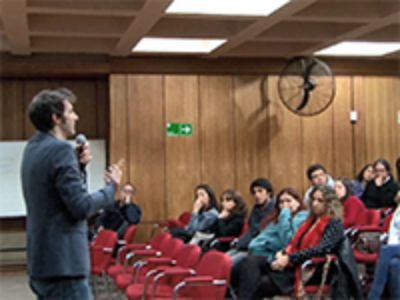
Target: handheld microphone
(80,140)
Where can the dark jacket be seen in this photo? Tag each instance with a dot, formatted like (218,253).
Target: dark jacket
(58,204)
(115,215)
(230,226)
(258,214)
(380,196)
(345,283)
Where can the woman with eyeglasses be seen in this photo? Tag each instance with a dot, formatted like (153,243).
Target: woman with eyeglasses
(122,213)
(381,191)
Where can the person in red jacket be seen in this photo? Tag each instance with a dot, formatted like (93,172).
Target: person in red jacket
(354,211)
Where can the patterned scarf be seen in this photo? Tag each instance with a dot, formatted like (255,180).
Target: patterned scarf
(308,236)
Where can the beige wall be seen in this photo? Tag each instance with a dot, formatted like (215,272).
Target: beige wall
(241,133)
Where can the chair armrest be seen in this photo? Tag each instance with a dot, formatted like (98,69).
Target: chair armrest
(161,261)
(198,281)
(121,242)
(179,272)
(102,249)
(360,229)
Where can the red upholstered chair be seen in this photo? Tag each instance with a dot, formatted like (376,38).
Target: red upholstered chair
(183,220)
(366,244)
(122,280)
(129,236)
(122,263)
(101,254)
(186,258)
(209,280)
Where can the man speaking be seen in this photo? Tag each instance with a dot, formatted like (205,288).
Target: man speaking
(57,200)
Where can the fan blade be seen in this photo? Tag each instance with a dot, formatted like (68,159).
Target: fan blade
(307,83)
(305,100)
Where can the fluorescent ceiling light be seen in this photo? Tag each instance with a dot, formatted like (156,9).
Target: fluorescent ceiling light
(360,49)
(226,7)
(177,45)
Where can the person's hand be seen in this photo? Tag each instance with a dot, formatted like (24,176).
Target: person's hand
(127,199)
(379,180)
(113,174)
(281,262)
(198,204)
(84,154)
(223,214)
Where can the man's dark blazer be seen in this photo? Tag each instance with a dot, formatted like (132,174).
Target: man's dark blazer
(58,205)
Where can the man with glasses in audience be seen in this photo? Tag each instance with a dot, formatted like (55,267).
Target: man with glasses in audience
(122,213)
(318,176)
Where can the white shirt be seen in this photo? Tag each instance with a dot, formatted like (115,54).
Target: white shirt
(394,230)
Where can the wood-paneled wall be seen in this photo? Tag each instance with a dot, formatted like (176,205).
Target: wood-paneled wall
(241,131)
(92,106)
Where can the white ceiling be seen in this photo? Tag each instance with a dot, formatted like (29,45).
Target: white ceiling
(113,27)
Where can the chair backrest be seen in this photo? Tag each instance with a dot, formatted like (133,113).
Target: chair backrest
(218,265)
(103,247)
(130,234)
(156,241)
(373,217)
(172,248)
(189,256)
(185,217)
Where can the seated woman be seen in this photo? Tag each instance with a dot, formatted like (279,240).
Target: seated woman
(354,211)
(388,267)
(366,174)
(320,235)
(381,191)
(231,218)
(205,213)
(279,229)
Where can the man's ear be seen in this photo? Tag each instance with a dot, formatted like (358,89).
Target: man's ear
(56,119)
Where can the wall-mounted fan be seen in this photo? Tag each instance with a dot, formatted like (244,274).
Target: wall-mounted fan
(306,86)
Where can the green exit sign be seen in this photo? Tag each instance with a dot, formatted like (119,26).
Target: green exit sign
(179,129)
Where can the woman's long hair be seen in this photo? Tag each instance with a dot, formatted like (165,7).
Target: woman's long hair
(240,205)
(348,186)
(360,175)
(211,195)
(274,217)
(334,206)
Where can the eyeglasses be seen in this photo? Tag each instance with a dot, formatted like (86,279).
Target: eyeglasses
(380,170)
(129,191)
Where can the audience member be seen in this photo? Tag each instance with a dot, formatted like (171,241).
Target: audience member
(263,193)
(204,214)
(230,219)
(317,175)
(381,191)
(354,211)
(278,232)
(388,267)
(124,212)
(363,177)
